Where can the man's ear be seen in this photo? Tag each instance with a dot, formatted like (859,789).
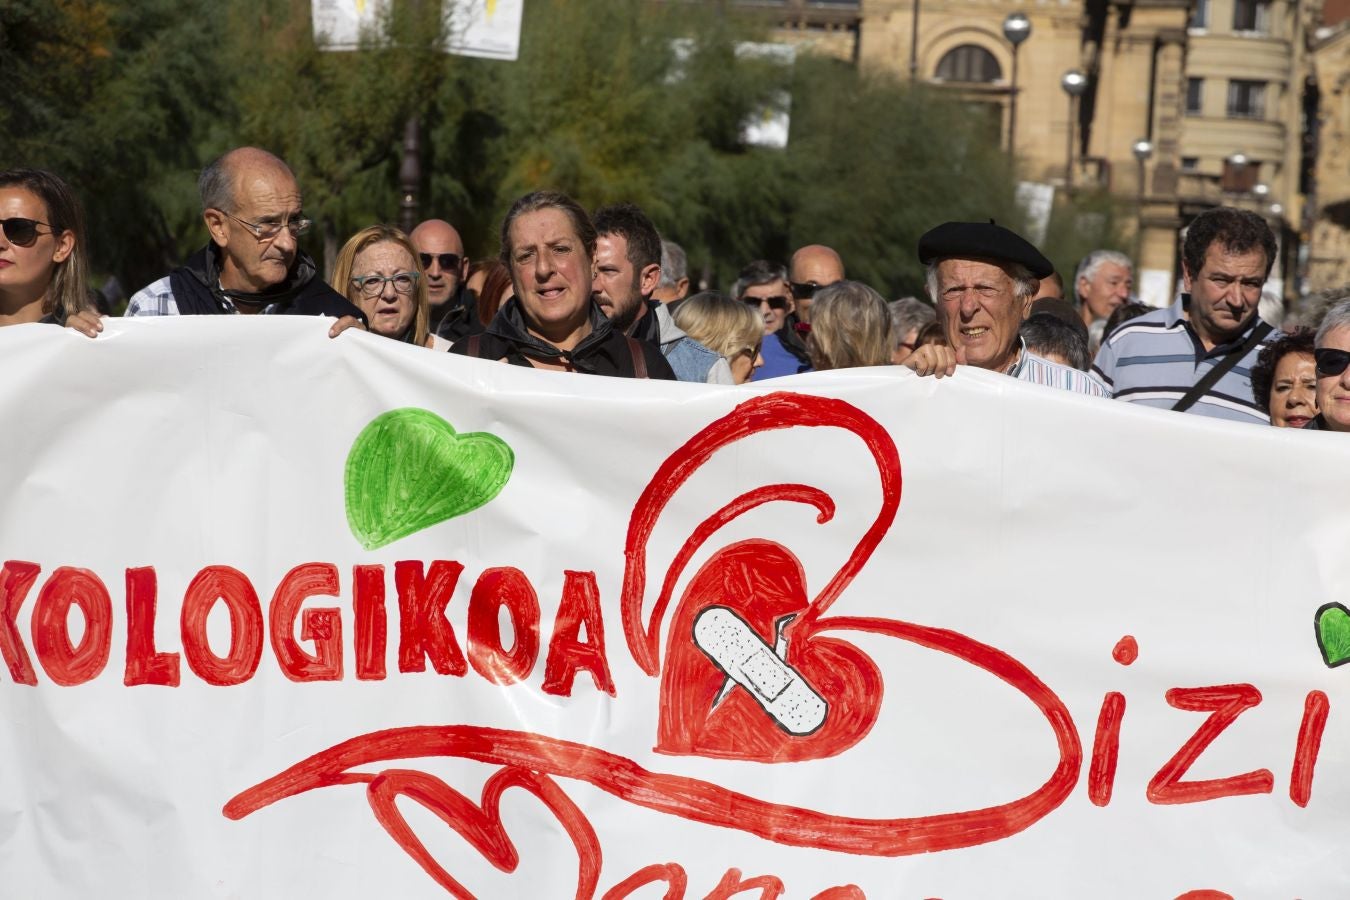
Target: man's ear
(648,279)
(216,226)
(1185,278)
(463,268)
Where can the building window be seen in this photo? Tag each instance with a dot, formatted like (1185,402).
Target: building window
(1190,164)
(969,63)
(1199,14)
(1195,96)
(1240,178)
(1246,99)
(1251,15)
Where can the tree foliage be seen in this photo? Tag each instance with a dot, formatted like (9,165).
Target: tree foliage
(610,100)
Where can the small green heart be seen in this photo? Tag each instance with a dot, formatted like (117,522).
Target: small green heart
(1332,625)
(409,470)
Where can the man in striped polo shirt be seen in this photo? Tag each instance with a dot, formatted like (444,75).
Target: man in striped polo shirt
(1165,358)
(983,278)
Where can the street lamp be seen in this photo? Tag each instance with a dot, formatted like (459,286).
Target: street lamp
(1143,151)
(1074,83)
(1016,28)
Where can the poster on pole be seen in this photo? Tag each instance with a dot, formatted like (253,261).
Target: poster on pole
(287,616)
(342,24)
(489,29)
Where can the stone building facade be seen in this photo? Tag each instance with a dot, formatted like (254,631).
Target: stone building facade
(1222,91)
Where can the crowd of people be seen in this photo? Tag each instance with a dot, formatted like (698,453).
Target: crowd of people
(602,293)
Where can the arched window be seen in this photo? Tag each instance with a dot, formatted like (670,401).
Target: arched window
(969,63)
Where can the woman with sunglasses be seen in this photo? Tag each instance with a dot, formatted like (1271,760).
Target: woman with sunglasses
(43,268)
(1332,358)
(378,271)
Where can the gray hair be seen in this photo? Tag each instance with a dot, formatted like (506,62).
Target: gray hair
(1025,285)
(1337,317)
(761,271)
(674,264)
(909,313)
(1089,265)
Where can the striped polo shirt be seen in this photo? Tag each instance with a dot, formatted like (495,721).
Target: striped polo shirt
(1039,370)
(1156,358)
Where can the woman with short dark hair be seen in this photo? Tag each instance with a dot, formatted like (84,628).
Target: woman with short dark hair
(1284,380)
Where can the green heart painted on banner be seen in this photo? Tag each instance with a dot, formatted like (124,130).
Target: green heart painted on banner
(409,470)
(1332,625)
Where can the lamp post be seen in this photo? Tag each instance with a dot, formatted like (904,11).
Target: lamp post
(1074,83)
(914,43)
(1016,28)
(1142,150)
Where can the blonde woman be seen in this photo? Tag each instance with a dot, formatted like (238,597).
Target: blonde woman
(378,271)
(725,326)
(850,326)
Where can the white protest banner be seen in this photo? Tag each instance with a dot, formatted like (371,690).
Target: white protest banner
(284,616)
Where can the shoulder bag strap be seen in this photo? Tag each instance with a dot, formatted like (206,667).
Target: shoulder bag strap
(1221,368)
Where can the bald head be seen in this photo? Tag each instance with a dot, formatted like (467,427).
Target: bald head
(435,238)
(813,266)
(220,182)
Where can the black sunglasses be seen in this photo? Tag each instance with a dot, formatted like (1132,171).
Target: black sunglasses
(778,301)
(804,291)
(447,260)
(22,232)
(1330,361)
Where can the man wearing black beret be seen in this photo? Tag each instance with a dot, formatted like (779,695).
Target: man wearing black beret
(982,278)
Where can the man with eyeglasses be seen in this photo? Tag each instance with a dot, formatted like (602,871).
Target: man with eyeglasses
(1196,356)
(252,263)
(1332,355)
(445,267)
(764,286)
(812,267)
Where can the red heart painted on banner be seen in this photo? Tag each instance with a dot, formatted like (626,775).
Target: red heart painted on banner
(480,825)
(762,583)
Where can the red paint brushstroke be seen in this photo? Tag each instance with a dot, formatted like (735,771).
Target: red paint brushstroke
(842,892)
(1126,651)
(424,631)
(1205,895)
(65,663)
(1316,709)
(231,587)
(496,589)
(480,825)
(1106,749)
(710,804)
(16,580)
(568,654)
(672,874)
(770,887)
(767,413)
(1224,703)
(322,626)
(144,665)
(372,622)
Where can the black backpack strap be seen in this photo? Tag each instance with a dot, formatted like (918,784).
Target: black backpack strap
(474,346)
(639,361)
(1222,367)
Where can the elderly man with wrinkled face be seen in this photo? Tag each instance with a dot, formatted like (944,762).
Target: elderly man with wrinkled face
(982,278)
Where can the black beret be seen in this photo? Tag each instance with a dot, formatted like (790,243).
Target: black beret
(982,240)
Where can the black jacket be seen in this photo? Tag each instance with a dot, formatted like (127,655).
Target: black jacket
(602,352)
(458,317)
(197,292)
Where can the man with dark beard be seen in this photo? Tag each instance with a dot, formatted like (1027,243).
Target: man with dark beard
(627,270)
